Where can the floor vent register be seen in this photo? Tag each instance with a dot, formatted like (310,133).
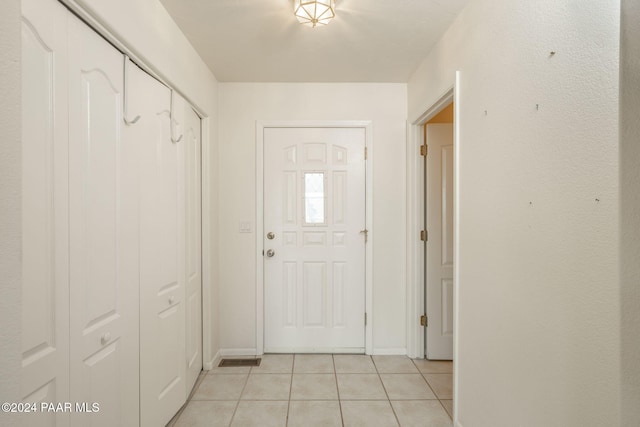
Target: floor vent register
(228,363)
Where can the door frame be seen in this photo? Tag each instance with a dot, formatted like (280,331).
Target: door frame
(261,125)
(415,220)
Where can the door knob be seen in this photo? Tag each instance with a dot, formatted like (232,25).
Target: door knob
(271,253)
(105,338)
(271,235)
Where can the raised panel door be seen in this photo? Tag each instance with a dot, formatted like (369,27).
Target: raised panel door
(45,216)
(193,337)
(439,254)
(314,265)
(162,291)
(103,224)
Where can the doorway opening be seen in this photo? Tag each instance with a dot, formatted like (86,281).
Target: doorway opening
(437,220)
(445,108)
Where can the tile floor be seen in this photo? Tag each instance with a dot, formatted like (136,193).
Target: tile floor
(323,390)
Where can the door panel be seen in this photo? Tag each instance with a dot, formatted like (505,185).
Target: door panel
(103,235)
(45,244)
(162,345)
(439,254)
(314,204)
(192,141)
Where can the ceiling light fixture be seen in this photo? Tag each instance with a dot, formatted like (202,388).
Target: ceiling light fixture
(314,12)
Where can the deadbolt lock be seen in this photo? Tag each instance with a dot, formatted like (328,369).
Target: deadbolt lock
(271,235)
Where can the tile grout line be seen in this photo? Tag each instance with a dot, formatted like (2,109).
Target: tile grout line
(293,366)
(385,392)
(235,410)
(432,390)
(335,375)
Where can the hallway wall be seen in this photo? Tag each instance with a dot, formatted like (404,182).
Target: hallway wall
(241,104)
(538,297)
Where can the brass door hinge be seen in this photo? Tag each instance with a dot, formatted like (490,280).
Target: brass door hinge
(424,150)
(424,235)
(365,153)
(365,319)
(424,321)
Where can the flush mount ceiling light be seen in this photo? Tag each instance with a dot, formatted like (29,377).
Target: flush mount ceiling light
(314,12)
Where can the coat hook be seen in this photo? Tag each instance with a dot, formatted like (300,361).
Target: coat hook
(171,121)
(553,52)
(485,112)
(129,123)
(537,107)
(124,97)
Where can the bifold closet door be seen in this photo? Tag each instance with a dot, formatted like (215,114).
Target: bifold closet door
(103,195)
(162,291)
(192,147)
(45,245)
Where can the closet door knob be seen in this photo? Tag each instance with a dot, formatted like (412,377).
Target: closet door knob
(105,338)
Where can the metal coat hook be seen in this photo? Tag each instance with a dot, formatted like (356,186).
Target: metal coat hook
(172,122)
(124,97)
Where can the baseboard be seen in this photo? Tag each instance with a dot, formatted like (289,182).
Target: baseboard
(237,352)
(389,352)
(223,352)
(207,366)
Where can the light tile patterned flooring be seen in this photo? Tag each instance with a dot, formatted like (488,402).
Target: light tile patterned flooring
(323,390)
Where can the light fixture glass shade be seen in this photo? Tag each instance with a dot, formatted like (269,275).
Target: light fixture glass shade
(314,12)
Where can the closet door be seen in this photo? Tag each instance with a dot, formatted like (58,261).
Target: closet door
(103,211)
(192,144)
(45,245)
(162,312)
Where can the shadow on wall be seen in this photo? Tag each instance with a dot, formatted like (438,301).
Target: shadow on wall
(630,211)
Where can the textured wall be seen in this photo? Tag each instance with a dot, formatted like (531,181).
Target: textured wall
(630,209)
(539,309)
(10,229)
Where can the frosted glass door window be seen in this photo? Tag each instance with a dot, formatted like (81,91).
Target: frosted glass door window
(314,198)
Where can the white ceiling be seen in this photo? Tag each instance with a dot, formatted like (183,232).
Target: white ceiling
(262,41)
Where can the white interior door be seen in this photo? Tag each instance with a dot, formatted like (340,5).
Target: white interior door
(439,254)
(45,216)
(314,247)
(192,147)
(162,291)
(103,225)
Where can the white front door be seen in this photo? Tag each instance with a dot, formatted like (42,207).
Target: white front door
(314,244)
(439,254)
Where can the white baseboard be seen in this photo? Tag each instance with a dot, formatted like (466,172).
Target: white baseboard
(207,366)
(237,352)
(389,352)
(223,352)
